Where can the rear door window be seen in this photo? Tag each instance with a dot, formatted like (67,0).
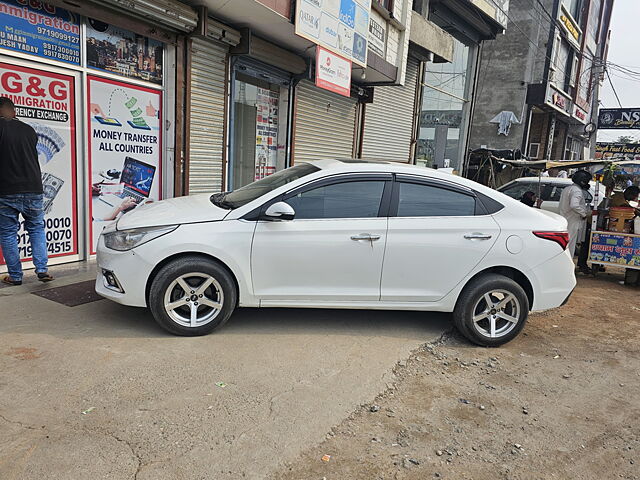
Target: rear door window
(419,200)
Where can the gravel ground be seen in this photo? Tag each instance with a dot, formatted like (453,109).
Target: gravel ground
(562,401)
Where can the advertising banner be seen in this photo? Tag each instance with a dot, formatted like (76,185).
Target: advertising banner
(333,72)
(46,101)
(40,29)
(266,132)
(123,52)
(615,248)
(619,118)
(125,149)
(341,26)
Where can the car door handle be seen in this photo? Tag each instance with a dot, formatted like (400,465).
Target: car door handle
(477,236)
(365,236)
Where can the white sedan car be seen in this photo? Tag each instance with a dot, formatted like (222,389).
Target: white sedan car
(341,234)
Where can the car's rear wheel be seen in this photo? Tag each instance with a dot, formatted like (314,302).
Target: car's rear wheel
(491,310)
(192,296)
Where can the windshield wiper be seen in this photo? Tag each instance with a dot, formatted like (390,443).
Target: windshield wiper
(218,200)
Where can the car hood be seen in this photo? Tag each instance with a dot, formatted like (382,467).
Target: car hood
(173,211)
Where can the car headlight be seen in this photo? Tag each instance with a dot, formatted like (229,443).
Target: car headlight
(124,240)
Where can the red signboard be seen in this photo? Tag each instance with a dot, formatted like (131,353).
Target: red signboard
(333,72)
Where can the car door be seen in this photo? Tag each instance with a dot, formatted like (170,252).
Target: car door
(333,248)
(437,234)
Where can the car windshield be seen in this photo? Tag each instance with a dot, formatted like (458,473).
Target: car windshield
(248,193)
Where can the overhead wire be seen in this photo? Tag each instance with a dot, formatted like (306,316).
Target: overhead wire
(614,89)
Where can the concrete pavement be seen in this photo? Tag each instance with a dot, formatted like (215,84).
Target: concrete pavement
(151,406)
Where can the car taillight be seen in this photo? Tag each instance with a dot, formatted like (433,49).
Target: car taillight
(561,238)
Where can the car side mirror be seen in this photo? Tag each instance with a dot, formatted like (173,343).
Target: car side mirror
(279,211)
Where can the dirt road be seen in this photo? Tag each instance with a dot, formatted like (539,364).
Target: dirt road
(560,402)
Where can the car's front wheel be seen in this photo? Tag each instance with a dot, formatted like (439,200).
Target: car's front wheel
(491,310)
(192,296)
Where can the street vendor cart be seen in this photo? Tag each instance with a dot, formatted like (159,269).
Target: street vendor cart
(618,249)
(616,241)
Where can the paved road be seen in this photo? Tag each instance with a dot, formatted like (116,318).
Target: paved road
(152,407)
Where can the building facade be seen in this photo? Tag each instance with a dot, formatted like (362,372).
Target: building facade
(151,100)
(539,83)
(447,96)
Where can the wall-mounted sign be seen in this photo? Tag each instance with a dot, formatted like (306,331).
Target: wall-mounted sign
(333,72)
(46,101)
(377,34)
(570,25)
(619,118)
(559,101)
(619,148)
(580,114)
(341,26)
(40,29)
(432,118)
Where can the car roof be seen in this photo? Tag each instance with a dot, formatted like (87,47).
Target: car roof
(373,165)
(544,180)
(377,165)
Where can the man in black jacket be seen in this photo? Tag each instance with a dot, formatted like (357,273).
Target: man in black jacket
(20,194)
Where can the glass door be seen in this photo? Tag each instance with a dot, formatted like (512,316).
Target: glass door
(259,133)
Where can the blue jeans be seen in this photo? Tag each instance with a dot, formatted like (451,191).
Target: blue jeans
(29,205)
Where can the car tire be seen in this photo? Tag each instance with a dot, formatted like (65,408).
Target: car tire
(488,300)
(192,296)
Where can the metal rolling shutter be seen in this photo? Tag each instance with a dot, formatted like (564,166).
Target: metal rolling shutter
(388,121)
(207,116)
(169,13)
(324,124)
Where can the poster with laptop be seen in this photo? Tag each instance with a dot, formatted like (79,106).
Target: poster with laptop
(46,101)
(125,149)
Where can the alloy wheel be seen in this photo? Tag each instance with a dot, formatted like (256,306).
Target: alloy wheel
(496,313)
(193,299)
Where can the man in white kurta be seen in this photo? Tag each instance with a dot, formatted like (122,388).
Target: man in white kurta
(574,208)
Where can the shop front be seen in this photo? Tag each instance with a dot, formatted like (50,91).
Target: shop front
(259,121)
(97,95)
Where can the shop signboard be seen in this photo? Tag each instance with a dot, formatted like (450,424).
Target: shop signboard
(40,29)
(558,100)
(125,149)
(341,26)
(46,101)
(432,118)
(377,34)
(266,132)
(333,72)
(570,26)
(618,148)
(116,50)
(580,114)
(619,118)
(615,249)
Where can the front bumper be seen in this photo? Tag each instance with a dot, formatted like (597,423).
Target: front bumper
(129,269)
